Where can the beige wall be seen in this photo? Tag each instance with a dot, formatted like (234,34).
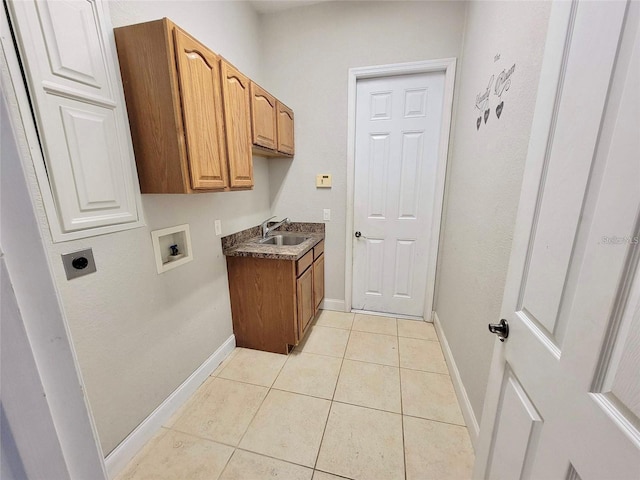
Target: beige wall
(308,51)
(484,180)
(139,335)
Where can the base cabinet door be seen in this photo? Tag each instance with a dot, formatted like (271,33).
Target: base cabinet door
(306,308)
(318,282)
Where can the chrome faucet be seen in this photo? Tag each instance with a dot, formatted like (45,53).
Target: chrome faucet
(265,229)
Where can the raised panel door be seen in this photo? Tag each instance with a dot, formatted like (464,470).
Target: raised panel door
(70,67)
(285,129)
(563,398)
(199,77)
(306,308)
(237,117)
(263,118)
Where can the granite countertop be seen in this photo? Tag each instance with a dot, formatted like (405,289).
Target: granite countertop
(244,243)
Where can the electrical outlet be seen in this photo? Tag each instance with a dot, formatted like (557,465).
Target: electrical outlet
(326,215)
(218,227)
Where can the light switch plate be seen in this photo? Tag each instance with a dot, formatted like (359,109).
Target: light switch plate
(323,180)
(78,264)
(218,227)
(326,214)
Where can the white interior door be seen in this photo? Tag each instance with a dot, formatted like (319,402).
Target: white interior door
(398,124)
(564,391)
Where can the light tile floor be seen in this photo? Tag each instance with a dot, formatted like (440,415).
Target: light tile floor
(363,397)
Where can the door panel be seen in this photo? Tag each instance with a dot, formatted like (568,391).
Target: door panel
(571,297)
(516,432)
(412,153)
(374,266)
(378,168)
(398,124)
(199,75)
(405,253)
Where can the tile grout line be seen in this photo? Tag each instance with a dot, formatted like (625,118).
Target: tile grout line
(261,403)
(315,464)
(404,447)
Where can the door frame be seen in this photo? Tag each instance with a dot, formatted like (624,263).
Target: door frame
(448,67)
(72,449)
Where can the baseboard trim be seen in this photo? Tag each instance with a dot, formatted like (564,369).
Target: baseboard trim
(333,304)
(461,392)
(123,453)
(385,314)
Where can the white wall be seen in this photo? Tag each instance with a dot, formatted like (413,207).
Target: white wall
(484,180)
(308,51)
(139,335)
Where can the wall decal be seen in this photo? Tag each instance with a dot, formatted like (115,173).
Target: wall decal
(496,87)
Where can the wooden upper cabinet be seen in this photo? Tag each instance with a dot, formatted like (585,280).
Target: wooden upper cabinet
(237,118)
(199,79)
(263,118)
(189,111)
(285,129)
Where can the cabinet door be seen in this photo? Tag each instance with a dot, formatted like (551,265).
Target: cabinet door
(199,76)
(237,118)
(306,308)
(69,62)
(285,129)
(263,118)
(318,282)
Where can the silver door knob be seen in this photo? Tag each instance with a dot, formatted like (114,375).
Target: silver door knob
(500,329)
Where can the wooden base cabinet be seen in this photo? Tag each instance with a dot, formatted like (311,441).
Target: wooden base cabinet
(273,302)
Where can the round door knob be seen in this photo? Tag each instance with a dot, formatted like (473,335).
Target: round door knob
(358,234)
(500,329)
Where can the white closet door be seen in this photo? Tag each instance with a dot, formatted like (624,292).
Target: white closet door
(67,51)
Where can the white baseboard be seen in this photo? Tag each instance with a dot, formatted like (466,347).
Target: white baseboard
(461,392)
(385,314)
(123,453)
(333,304)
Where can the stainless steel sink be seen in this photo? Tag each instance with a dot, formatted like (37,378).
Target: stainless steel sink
(282,240)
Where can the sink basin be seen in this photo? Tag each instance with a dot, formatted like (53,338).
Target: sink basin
(282,240)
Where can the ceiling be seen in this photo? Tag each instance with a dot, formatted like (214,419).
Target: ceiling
(269,6)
